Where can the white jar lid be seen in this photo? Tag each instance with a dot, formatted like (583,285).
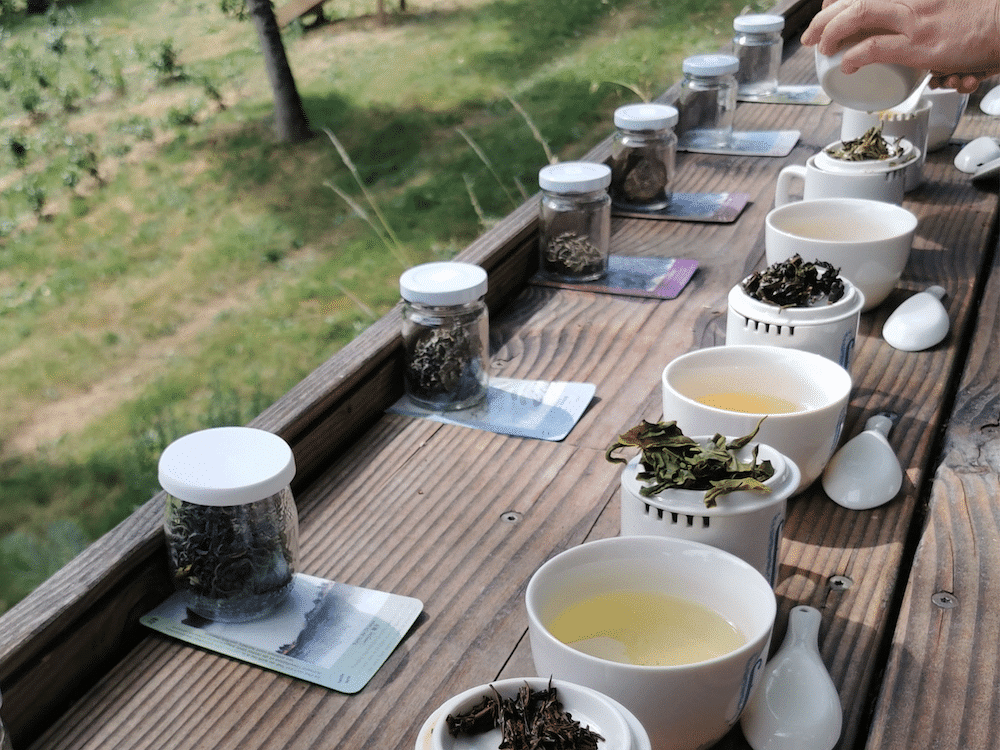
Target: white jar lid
(646,117)
(758,23)
(574,177)
(710,65)
(443,283)
(226,466)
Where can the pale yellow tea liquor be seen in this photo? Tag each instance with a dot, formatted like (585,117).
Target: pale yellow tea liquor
(749,403)
(645,628)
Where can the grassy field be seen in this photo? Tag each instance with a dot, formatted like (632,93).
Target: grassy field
(166,265)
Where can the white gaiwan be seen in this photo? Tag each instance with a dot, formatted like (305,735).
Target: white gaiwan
(872,88)
(681,706)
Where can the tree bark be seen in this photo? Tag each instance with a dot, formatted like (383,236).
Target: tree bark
(290,119)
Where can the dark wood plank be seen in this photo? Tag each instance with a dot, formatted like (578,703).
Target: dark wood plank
(940,686)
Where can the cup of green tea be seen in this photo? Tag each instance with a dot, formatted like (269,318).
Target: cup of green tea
(799,398)
(674,630)
(869,241)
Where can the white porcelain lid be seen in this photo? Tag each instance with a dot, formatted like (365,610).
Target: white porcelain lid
(758,23)
(574,177)
(226,466)
(646,117)
(819,314)
(710,65)
(615,723)
(784,482)
(444,283)
(873,88)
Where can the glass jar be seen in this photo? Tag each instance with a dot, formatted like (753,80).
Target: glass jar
(230,521)
(643,152)
(446,335)
(5,743)
(574,220)
(707,101)
(757,44)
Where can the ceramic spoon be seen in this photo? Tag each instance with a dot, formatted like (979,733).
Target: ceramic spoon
(865,472)
(990,103)
(796,705)
(910,103)
(977,153)
(918,323)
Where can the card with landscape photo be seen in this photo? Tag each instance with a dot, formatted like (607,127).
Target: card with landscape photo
(328,633)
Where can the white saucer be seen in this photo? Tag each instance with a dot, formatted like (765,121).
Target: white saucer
(615,723)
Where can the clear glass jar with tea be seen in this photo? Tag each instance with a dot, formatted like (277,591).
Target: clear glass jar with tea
(757,44)
(445,335)
(643,153)
(574,220)
(707,100)
(230,521)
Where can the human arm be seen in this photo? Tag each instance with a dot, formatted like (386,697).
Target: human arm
(958,41)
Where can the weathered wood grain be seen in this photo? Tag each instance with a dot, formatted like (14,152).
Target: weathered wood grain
(940,688)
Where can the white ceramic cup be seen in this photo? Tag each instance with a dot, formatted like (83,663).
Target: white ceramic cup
(909,126)
(872,88)
(869,241)
(682,707)
(947,108)
(826,177)
(808,436)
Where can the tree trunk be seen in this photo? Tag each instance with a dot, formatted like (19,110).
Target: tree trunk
(290,119)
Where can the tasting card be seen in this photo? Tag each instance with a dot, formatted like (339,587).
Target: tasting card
(747,143)
(658,278)
(538,409)
(718,208)
(789,94)
(327,633)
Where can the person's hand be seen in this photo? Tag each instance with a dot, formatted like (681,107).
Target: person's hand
(958,42)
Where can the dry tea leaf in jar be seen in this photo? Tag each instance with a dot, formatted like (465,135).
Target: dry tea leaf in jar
(643,152)
(574,220)
(230,521)
(445,335)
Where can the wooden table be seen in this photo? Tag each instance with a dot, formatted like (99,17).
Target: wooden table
(461,518)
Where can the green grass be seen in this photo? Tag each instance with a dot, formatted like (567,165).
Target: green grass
(165,265)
